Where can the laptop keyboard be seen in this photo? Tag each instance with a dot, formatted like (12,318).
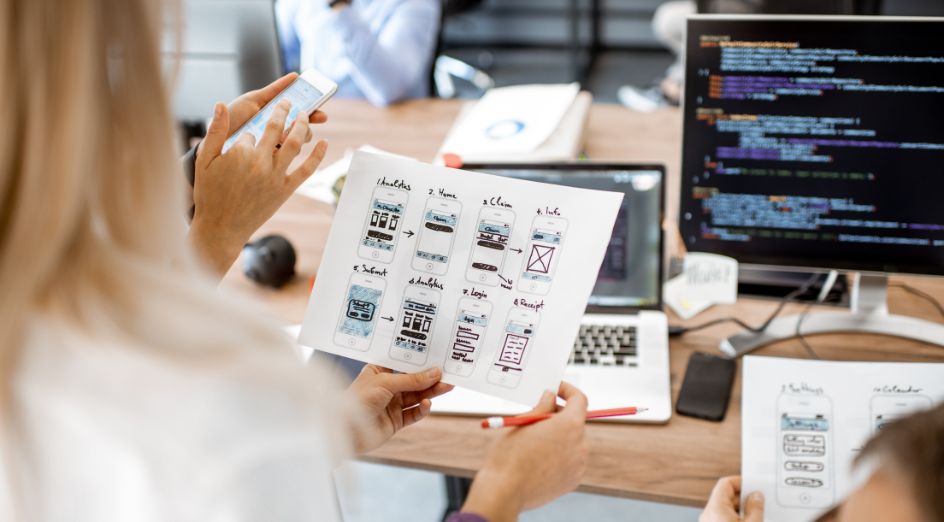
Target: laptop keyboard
(605,345)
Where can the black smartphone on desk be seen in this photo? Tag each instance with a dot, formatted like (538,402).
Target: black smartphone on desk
(706,388)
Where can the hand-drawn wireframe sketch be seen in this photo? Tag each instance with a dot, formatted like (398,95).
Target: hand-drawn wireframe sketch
(437,235)
(360,311)
(412,325)
(383,223)
(516,346)
(490,245)
(805,454)
(415,325)
(472,318)
(886,408)
(543,252)
(801,455)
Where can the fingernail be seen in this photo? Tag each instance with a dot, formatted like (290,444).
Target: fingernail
(432,373)
(547,395)
(218,110)
(756,496)
(285,104)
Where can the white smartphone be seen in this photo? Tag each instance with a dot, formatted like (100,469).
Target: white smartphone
(382,227)
(517,343)
(415,326)
(544,248)
(307,93)
(887,408)
(805,453)
(490,247)
(360,312)
(467,336)
(437,233)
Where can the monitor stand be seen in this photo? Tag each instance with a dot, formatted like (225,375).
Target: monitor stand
(868,313)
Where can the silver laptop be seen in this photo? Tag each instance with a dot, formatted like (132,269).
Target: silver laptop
(621,355)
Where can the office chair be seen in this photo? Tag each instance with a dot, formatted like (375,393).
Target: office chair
(846,7)
(445,68)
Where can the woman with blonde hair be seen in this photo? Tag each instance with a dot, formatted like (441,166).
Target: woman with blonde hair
(130,389)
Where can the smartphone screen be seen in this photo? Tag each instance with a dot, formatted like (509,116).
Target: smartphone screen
(804,469)
(468,334)
(362,305)
(303,96)
(517,335)
(360,312)
(416,321)
(489,250)
(434,247)
(382,226)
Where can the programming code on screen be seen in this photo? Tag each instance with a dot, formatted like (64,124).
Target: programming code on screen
(816,143)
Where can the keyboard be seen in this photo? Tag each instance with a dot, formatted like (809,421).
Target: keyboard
(605,345)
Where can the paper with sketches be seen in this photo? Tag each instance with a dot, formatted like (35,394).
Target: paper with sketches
(803,422)
(511,120)
(483,276)
(706,280)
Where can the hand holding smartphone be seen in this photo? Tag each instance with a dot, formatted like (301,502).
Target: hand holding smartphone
(307,93)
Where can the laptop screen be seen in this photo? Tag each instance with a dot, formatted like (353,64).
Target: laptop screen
(631,269)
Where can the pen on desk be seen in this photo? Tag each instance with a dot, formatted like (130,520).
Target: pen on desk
(524,420)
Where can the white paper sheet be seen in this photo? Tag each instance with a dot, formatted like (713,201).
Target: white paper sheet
(706,280)
(803,422)
(511,120)
(483,276)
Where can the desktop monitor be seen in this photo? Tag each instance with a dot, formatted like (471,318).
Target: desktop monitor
(815,142)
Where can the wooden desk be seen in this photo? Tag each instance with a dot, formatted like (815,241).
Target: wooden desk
(678,462)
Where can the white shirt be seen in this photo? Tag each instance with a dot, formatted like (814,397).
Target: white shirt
(381,50)
(113,431)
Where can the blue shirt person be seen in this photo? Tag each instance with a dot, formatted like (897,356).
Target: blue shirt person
(376,49)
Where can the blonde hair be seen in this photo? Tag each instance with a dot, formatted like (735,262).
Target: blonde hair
(92,217)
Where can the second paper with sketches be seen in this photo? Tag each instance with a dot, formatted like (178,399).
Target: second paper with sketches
(803,422)
(483,276)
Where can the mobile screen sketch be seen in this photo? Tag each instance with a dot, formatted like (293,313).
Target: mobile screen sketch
(415,325)
(360,312)
(804,468)
(467,336)
(515,348)
(436,235)
(490,245)
(885,409)
(303,96)
(544,247)
(382,227)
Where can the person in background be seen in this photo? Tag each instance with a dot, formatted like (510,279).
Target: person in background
(131,388)
(381,50)
(668,26)
(906,484)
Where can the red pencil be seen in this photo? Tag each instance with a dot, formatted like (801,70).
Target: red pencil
(524,420)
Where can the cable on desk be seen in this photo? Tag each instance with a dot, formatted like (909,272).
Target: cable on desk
(799,335)
(675,331)
(920,293)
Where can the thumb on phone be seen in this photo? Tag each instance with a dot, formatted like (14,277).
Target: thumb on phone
(212,146)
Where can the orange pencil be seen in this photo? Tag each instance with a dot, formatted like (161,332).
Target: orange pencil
(524,420)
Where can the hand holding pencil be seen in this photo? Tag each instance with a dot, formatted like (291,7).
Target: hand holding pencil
(533,465)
